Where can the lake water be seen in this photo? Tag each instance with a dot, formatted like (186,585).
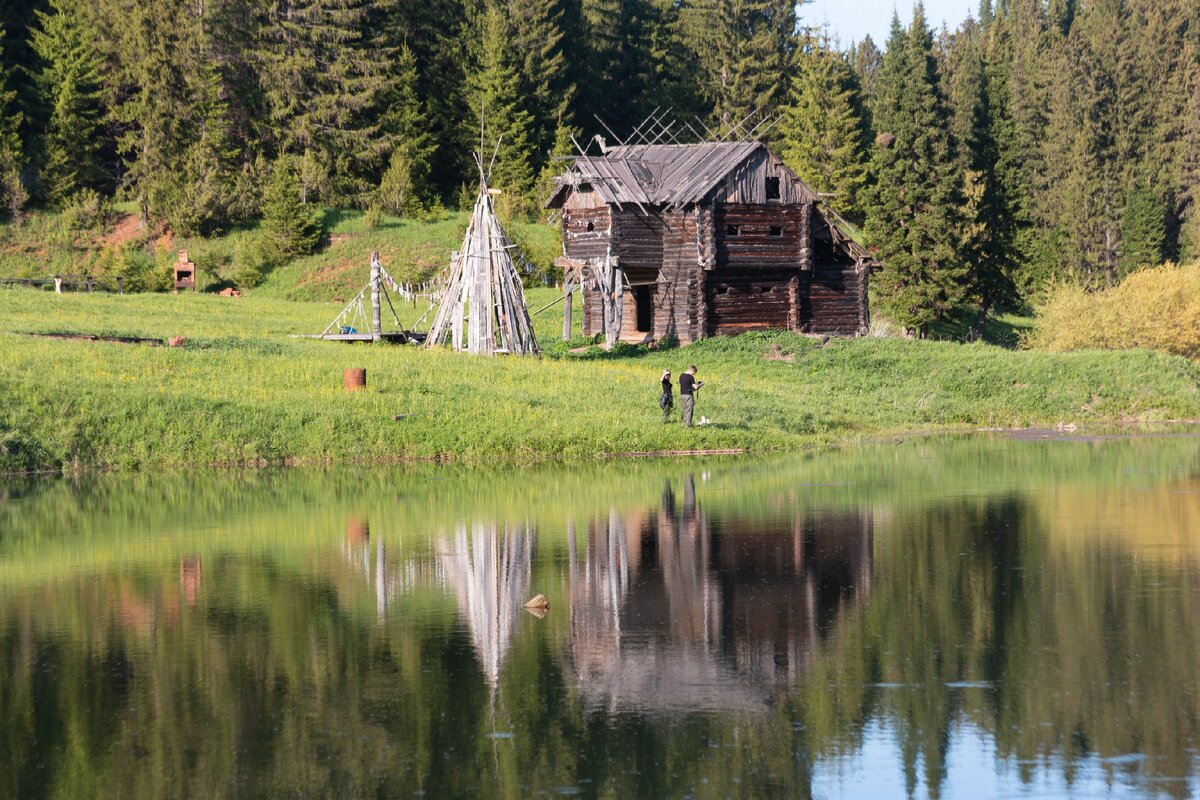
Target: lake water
(957,618)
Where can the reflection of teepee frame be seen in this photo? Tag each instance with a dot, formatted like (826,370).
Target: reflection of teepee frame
(484,290)
(490,574)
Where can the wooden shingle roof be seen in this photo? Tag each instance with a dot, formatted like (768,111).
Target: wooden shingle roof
(656,174)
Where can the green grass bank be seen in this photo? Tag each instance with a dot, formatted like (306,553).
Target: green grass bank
(242,392)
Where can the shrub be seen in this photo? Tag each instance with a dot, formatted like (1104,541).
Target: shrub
(142,273)
(20,452)
(534,255)
(249,265)
(1156,309)
(397,192)
(373,218)
(87,210)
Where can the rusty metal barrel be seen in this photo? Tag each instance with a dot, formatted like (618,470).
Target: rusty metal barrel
(354,379)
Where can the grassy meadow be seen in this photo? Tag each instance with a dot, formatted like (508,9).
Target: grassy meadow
(241,391)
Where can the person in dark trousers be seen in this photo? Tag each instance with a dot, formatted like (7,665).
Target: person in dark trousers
(667,401)
(688,386)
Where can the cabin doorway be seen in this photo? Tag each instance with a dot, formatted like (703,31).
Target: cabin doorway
(643,301)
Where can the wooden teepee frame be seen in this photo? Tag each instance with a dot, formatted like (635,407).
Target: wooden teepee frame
(484,292)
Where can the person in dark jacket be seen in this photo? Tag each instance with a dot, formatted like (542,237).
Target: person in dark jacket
(667,401)
(688,386)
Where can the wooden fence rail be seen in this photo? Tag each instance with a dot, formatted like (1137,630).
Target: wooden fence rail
(61,283)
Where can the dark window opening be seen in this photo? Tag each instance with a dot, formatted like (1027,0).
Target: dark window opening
(591,226)
(733,230)
(777,230)
(645,308)
(772,188)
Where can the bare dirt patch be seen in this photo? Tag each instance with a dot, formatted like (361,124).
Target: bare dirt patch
(126,229)
(773,353)
(333,271)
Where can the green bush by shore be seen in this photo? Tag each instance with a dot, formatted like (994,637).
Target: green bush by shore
(242,392)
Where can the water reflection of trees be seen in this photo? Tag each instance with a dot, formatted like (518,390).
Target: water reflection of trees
(801,628)
(674,609)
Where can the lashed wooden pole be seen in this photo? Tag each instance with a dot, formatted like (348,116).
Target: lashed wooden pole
(376,322)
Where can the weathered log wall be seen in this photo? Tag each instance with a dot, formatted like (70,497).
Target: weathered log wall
(704,281)
(640,237)
(833,300)
(740,301)
(680,313)
(762,237)
(660,248)
(586,236)
(581,241)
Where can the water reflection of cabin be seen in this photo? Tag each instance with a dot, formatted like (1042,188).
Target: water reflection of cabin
(674,609)
(706,239)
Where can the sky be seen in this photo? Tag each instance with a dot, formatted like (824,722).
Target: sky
(851,20)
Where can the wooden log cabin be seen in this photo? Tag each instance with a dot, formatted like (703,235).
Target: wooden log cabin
(686,241)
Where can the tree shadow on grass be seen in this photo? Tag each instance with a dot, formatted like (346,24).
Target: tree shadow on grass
(1003,330)
(589,349)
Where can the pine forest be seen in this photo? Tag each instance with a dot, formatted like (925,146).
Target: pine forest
(1040,141)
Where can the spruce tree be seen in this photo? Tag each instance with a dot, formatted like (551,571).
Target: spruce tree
(405,187)
(498,116)
(289,226)
(1000,149)
(546,85)
(822,133)
(70,85)
(600,60)
(1143,226)
(742,49)
(205,193)
(989,225)
(1168,67)
(666,67)
(913,217)
(12,192)
(986,14)
(436,32)
(154,108)
(325,79)
(1188,176)
(180,164)
(1020,64)
(232,30)
(1061,14)
(18,62)
(628,57)
(867,60)
(563,146)
(1080,203)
